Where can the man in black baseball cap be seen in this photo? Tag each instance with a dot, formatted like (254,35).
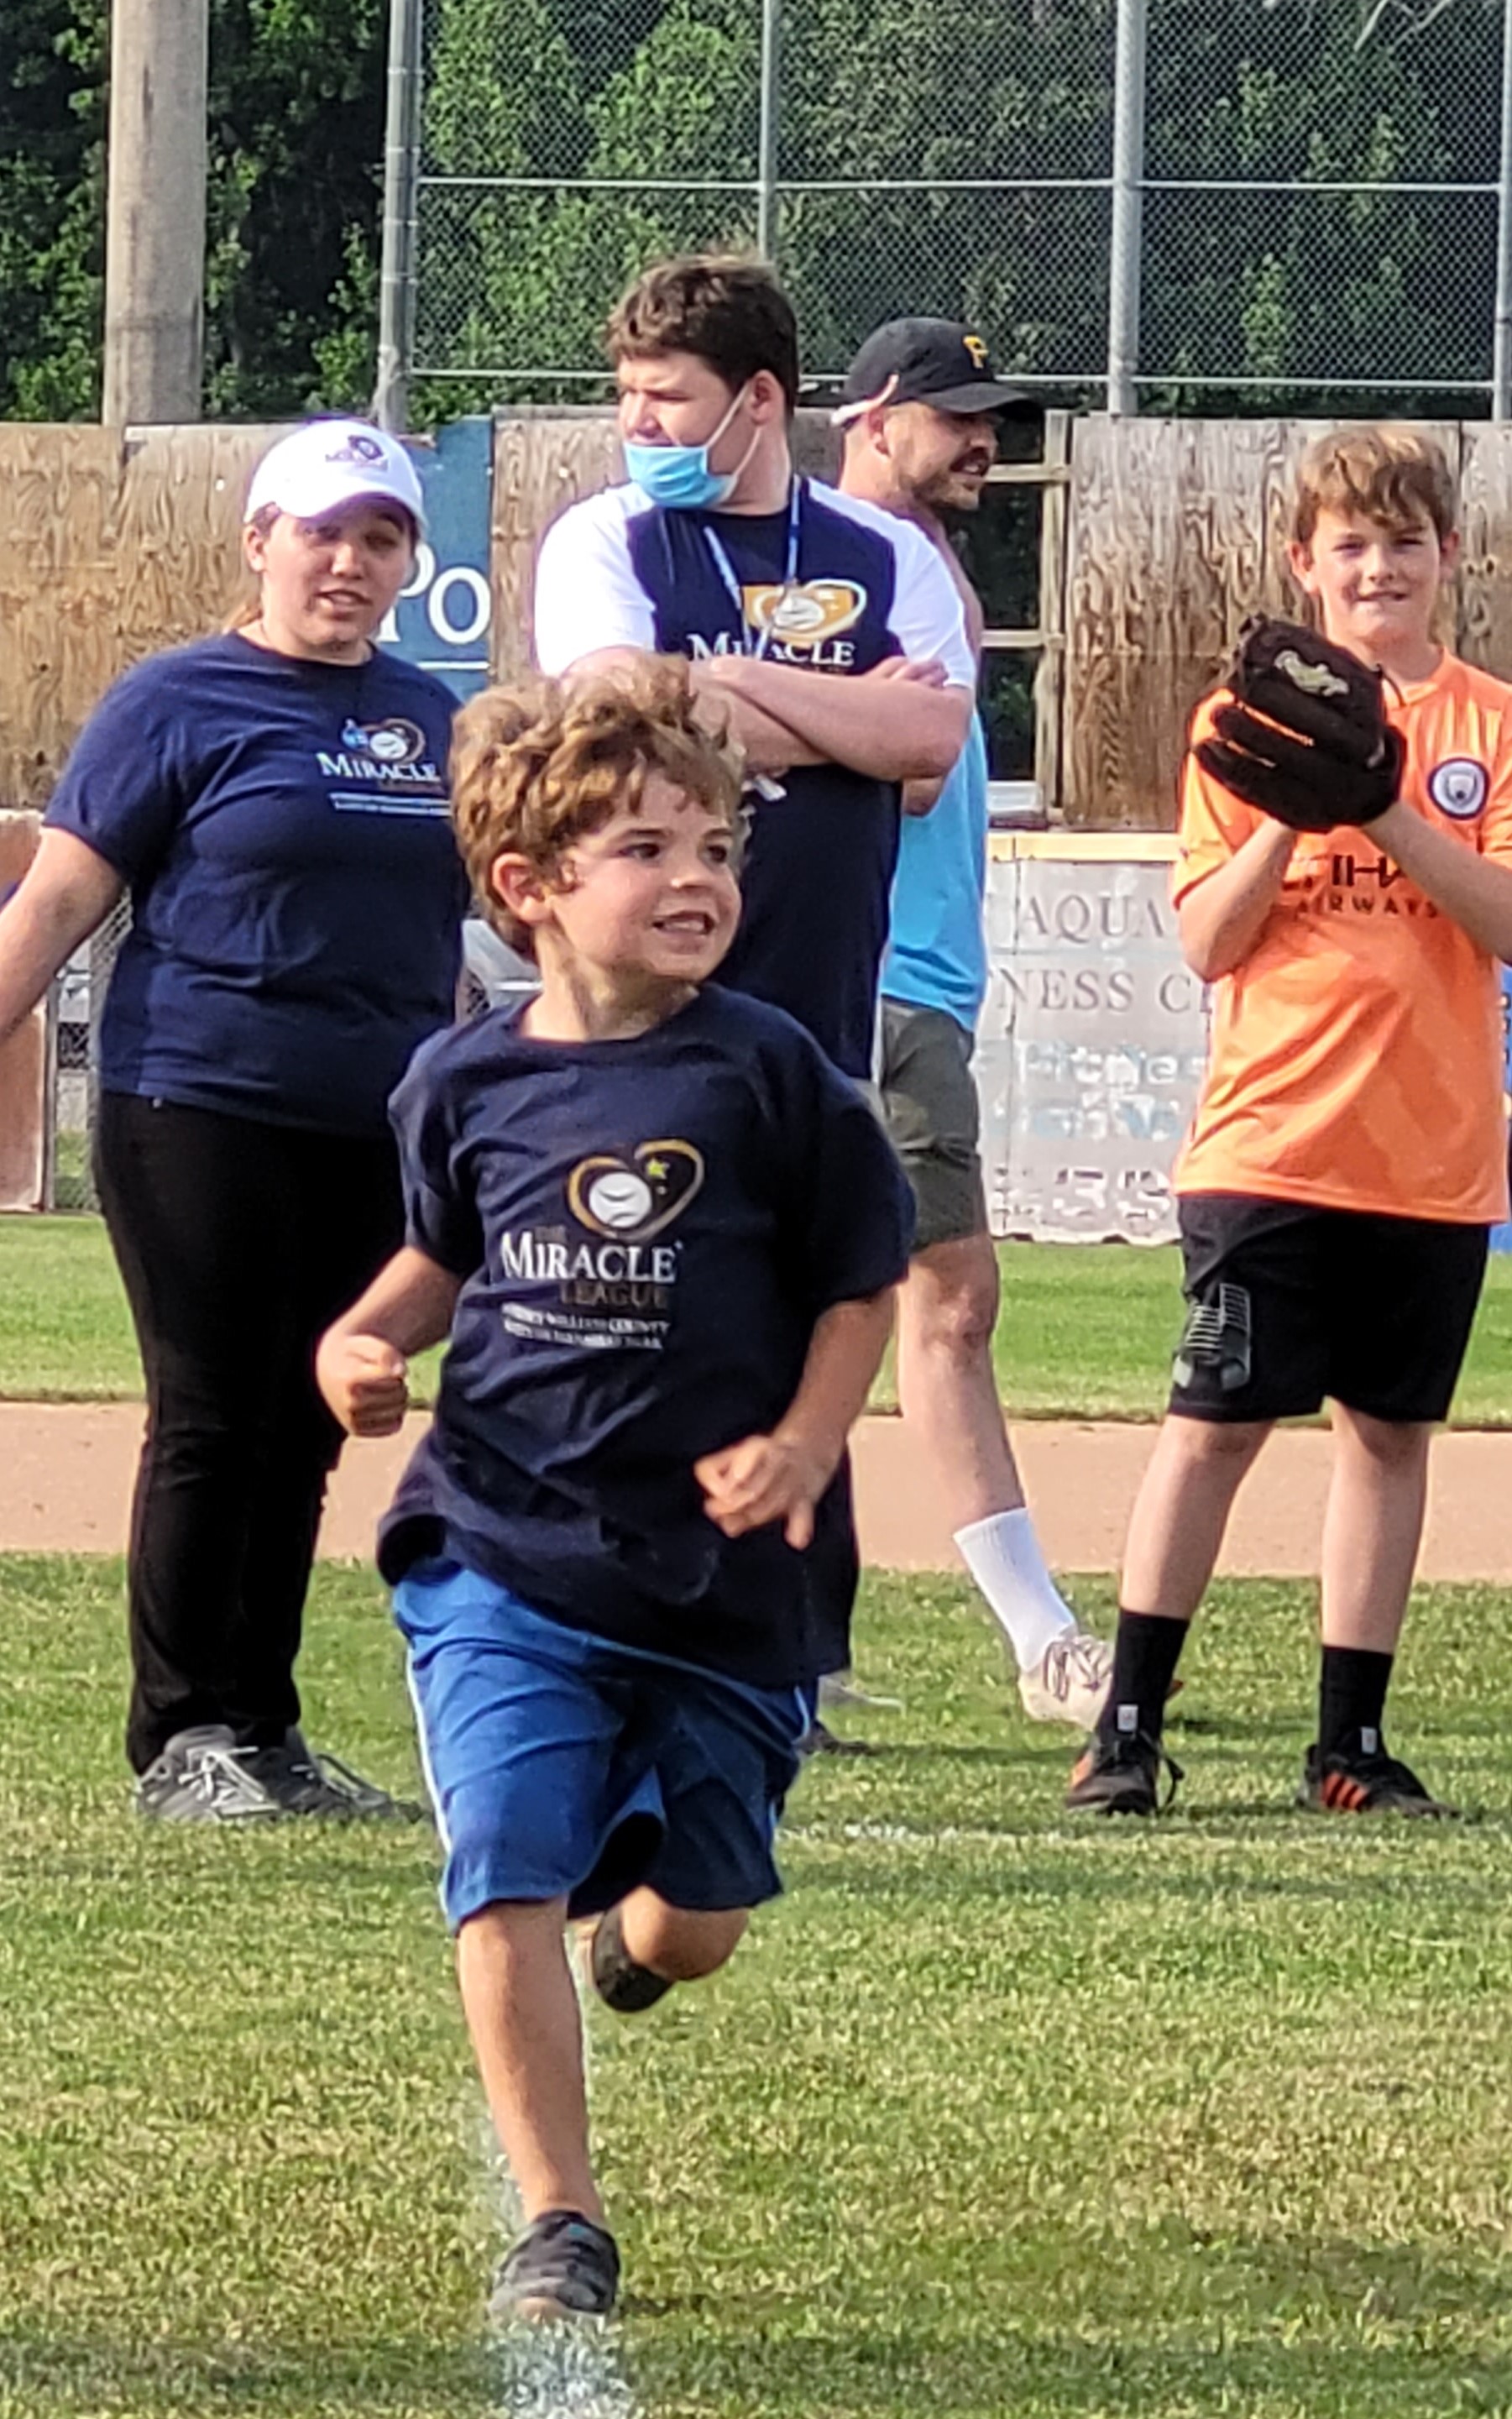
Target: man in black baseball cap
(921,413)
(938,361)
(921,394)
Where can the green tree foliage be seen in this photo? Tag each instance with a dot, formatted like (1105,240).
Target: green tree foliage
(295,129)
(1301,291)
(879,97)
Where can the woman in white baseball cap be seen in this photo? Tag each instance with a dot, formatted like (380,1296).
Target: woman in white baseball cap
(274,801)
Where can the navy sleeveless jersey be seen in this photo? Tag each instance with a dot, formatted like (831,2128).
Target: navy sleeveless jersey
(619,571)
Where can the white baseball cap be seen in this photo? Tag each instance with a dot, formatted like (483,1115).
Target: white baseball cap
(329,463)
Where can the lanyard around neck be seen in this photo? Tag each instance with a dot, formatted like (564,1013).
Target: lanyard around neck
(735,593)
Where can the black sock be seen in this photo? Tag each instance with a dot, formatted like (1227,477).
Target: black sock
(621,1984)
(1146,1652)
(1352,1700)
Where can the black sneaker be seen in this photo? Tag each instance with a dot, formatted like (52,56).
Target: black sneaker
(1366,1785)
(564,2266)
(622,1984)
(1122,1776)
(819,1739)
(302,1782)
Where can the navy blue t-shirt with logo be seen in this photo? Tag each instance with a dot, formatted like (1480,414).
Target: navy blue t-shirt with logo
(617,570)
(647,1231)
(283,827)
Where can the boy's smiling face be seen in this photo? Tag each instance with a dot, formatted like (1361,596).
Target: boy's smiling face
(651,898)
(1376,585)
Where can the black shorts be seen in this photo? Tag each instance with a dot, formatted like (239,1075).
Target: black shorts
(1290,1305)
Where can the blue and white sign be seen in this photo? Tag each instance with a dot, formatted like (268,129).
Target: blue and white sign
(442,617)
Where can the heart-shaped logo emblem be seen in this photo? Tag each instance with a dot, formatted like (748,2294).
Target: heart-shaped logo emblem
(633,1198)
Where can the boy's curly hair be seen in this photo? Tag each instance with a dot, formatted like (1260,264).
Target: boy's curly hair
(1389,471)
(543,762)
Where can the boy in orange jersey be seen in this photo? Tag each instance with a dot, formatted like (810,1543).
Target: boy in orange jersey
(1348,1153)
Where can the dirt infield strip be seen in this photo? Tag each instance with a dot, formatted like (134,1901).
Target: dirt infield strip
(66,1475)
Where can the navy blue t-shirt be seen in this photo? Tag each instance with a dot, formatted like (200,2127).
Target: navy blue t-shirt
(617,570)
(297,895)
(648,1231)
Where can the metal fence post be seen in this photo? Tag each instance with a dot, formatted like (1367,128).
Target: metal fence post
(768,136)
(1128,199)
(401,178)
(1502,348)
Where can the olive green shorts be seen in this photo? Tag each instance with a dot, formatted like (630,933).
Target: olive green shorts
(930,1109)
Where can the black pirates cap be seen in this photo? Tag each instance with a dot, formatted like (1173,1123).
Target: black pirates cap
(938,361)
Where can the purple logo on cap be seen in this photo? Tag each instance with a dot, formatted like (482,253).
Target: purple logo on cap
(358,447)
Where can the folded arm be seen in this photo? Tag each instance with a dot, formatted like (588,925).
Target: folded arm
(768,745)
(1476,891)
(900,722)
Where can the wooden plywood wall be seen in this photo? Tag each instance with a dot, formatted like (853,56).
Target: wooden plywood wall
(1177,531)
(1483,591)
(113,544)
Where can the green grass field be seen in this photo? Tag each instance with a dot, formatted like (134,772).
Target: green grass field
(1085,1333)
(993,2118)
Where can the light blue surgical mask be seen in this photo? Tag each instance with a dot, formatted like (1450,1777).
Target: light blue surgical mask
(678,477)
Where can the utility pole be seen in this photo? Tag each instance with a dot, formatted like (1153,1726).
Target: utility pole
(767,137)
(401,191)
(1131,22)
(1502,341)
(155,237)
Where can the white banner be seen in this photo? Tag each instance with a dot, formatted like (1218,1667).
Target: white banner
(1093,1040)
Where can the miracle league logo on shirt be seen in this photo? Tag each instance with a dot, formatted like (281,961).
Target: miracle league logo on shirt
(803,622)
(390,761)
(628,1198)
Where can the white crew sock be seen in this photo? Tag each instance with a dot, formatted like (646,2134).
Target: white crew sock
(1002,1554)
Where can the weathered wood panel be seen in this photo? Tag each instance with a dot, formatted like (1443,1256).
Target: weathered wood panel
(57,489)
(1178,530)
(112,542)
(541,465)
(177,531)
(1483,632)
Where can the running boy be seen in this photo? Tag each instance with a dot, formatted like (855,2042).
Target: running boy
(663,1234)
(1348,1153)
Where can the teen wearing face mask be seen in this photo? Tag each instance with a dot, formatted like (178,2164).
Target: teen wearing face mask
(718,551)
(825,632)
(274,800)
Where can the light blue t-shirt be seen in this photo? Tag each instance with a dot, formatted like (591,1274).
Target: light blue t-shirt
(937,950)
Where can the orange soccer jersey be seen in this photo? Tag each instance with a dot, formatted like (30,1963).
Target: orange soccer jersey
(1356,1056)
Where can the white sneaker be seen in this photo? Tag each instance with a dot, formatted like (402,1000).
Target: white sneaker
(1069,1681)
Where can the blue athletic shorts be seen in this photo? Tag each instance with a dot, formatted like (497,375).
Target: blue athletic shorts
(565,1765)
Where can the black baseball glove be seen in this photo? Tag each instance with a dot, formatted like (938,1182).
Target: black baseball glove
(1303,734)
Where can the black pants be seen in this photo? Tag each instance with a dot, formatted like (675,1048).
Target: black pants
(238,1241)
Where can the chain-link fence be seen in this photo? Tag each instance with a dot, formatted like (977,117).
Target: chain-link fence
(74,1065)
(1292,203)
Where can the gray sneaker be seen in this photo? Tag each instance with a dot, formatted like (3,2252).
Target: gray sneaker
(563,2266)
(202,1776)
(303,1782)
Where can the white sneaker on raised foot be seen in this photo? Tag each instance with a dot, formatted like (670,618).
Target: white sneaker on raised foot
(1069,1681)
